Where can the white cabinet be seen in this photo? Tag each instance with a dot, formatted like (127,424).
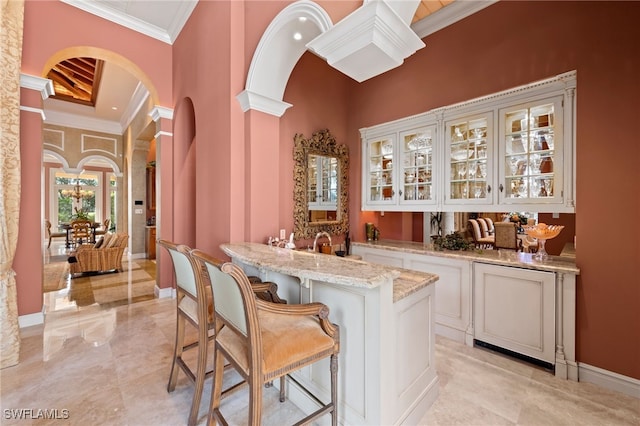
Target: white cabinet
(480,298)
(453,288)
(508,150)
(469,160)
(398,167)
(379,183)
(515,309)
(531,153)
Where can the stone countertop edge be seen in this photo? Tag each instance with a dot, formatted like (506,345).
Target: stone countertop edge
(333,269)
(495,257)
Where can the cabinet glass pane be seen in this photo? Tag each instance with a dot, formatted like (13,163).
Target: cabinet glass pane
(468,159)
(417,165)
(529,149)
(381,170)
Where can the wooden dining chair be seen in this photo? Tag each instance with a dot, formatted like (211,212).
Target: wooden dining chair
(81,231)
(264,341)
(105,228)
(506,236)
(50,234)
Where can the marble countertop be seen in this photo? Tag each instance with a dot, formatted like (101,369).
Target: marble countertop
(332,269)
(496,257)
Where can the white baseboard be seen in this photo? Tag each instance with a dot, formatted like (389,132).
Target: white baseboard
(30,319)
(609,380)
(138,256)
(162,293)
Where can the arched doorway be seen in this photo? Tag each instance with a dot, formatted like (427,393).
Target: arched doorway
(103,136)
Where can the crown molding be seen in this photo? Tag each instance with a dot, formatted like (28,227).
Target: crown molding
(73,120)
(139,97)
(449,15)
(131,22)
(158,112)
(43,85)
(251,100)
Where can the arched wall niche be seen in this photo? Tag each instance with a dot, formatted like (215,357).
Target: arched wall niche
(184,194)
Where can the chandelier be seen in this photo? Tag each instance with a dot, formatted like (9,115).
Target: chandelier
(77,192)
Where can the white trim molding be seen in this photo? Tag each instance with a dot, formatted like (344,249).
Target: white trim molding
(251,100)
(609,380)
(370,41)
(36,110)
(43,85)
(158,112)
(30,319)
(280,48)
(449,15)
(111,13)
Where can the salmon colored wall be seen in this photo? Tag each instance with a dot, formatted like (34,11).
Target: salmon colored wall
(43,39)
(514,43)
(44,36)
(320,98)
(27,262)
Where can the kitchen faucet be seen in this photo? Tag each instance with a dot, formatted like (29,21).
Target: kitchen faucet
(318,235)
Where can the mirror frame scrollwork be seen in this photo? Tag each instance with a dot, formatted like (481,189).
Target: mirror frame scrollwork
(324,144)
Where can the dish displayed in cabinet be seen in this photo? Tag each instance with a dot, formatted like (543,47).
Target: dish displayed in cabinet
(529,152)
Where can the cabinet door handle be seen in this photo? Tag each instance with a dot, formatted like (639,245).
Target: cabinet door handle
(489,189)
(394,193)
(501,187)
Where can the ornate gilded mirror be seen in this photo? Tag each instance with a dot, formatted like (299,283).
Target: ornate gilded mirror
(321,185)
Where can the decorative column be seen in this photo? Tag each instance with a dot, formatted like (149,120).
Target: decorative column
(164,204)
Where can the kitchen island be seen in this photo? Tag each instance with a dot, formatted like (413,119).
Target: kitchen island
(386,314)
(503,299)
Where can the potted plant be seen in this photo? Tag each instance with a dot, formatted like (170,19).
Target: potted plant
(80,214)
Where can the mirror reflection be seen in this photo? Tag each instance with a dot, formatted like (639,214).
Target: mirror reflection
(322,181)
(320,185)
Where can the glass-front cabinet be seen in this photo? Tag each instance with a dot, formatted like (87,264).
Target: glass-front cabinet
(468,159)
(531,145)
(398,167)
(416,170)
(380,183)
(514,148)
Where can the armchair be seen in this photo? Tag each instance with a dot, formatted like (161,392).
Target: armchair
(105,255)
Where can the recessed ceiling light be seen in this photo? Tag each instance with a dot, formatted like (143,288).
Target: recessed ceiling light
(114,108)
(302,19)
(297,36)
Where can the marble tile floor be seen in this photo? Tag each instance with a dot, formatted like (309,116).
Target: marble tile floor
(120,377)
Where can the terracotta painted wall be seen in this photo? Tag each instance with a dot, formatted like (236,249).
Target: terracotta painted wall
(513,43)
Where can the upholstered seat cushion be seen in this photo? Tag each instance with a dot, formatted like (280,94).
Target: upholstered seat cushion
(190,307)
(287,340)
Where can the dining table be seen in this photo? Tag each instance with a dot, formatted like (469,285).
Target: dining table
(67,228)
